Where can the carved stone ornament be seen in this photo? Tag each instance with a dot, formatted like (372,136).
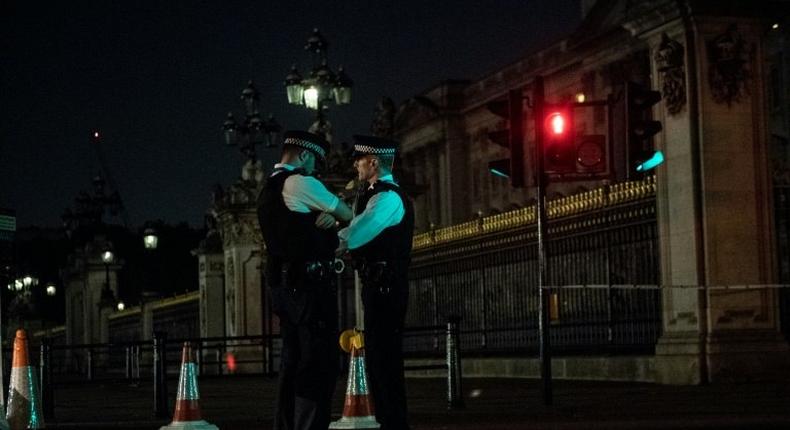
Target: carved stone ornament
(240,231)
(728,66)
(671,68)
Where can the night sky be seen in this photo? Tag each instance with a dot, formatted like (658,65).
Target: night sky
(158,78)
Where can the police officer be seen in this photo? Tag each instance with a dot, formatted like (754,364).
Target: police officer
(380,239)
(297,215)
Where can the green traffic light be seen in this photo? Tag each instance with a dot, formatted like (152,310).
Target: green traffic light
(651,163)
(498,172)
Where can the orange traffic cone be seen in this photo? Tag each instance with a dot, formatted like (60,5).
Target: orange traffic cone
(24,402)
(358,407)
(187,414)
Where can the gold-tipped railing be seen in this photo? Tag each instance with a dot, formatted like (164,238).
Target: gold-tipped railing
(592,200)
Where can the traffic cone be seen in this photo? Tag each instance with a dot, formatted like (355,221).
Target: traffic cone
(358,408)
(24,402)
(187,414)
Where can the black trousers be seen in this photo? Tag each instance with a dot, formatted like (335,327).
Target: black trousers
(385,310)
(309,360)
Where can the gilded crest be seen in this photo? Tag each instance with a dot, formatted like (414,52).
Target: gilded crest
(728,66)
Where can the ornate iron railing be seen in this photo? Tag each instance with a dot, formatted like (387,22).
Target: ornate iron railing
(486,271)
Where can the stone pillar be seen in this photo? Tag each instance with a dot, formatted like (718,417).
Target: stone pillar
(146,319)
(242,244)
(85,276)
(211,278)
(713,200)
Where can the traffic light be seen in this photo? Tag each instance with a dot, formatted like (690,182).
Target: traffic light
(640,128)
(559,147)
(512,137)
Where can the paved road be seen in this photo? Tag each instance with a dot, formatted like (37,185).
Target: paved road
(244,402)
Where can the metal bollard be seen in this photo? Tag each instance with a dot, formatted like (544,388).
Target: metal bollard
(269,356)
(219,358)
(90,364)
(455,398)
(128,361)
(200,358)
(160,376)
(137,357)
(45,375)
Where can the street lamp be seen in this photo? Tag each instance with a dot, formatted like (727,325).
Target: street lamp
(322,87)
(23,304)
(107,257)
(254,130)
(51,289)
(121,306)
(150,238)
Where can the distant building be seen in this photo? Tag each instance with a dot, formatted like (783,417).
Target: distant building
(722,199)
(443,130)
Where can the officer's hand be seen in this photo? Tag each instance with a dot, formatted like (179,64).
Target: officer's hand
(325,221)
(341,249)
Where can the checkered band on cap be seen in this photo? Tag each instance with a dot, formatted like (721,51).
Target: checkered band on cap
(306,145)
(365,149)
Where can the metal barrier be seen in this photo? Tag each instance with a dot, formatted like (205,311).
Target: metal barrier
(487,272)
(125,361)
(452,357)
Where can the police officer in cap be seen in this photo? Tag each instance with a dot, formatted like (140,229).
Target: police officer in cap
(380,239)
(297,215)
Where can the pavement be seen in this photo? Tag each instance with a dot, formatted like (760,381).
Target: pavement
(246,402)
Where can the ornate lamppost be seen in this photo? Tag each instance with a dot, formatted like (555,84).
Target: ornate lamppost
(322,87)
(149,291)
(107,296)
(253,130)
(89,209)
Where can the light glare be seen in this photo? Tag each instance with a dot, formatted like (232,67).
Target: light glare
(311,97)
(107,257)
(557,123)
(653,162)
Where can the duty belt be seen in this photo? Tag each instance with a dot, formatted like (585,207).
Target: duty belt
(314,270)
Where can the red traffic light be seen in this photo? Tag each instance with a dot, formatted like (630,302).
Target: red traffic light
(558,145)
(556,123)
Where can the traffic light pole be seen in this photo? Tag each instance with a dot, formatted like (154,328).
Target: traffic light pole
(544,294)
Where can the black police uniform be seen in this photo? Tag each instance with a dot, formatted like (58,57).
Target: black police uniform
(300,277)
(383,264)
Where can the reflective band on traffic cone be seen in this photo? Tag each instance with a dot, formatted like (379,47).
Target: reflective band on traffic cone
(358,407)
(24,402)
(187,415)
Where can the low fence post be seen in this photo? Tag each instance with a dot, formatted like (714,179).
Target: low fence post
(199,357)
(90,363)
(160,375)
(45,375)
(455,399)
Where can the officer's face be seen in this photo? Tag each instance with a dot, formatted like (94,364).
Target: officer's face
(367,166)
(308,162)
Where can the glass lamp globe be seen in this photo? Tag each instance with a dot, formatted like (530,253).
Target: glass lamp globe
(107,257)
